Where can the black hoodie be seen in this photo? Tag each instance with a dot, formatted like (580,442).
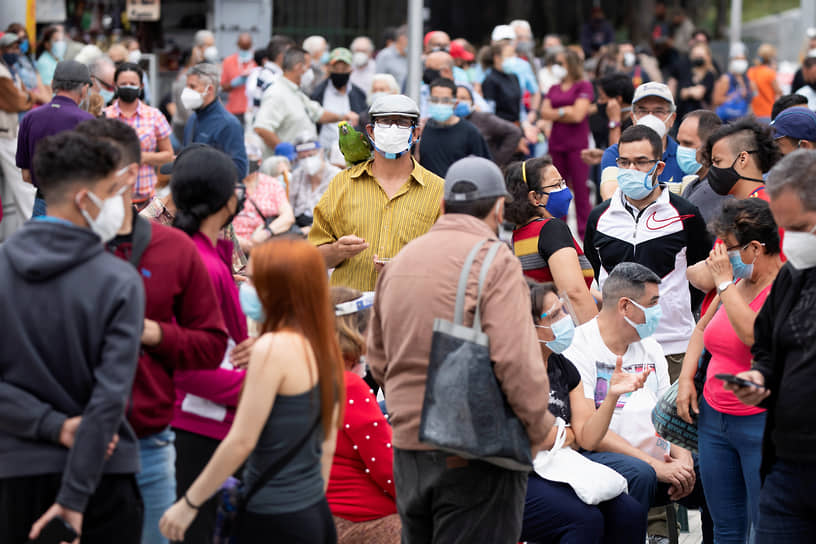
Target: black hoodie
(71,318)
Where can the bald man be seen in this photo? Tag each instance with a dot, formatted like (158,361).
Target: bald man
(234,72)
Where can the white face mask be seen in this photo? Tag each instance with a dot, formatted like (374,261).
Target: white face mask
(655,123)
(312,165)
(111,215)
(359,59)
(307,79)
(800,248)
(558,71)
(392,140)
(134,56)
(629,59)
(211,54)
(738,66)
(191,99)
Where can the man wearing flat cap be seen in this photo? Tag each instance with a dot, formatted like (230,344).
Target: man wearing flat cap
(71,85)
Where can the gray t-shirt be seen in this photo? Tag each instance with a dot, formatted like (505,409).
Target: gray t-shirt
(700,193)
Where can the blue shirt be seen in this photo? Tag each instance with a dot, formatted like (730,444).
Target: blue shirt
(671,173)
(215,126)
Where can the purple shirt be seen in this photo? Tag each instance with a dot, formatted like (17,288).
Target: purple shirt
(570,136)
(218,261)
(60,114)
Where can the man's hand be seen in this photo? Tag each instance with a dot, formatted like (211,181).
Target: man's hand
(72,517)
(350,245)
(353,118)
(686,399)
(592,156)
(240,353)
(621,383)
(152,334)
(613,111)
(678,475)
(750,395)
(68,431)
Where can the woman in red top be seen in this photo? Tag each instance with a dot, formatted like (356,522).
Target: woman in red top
(543,242)
(361,491)
(730,433)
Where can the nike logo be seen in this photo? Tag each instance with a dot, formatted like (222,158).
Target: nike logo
(653,223)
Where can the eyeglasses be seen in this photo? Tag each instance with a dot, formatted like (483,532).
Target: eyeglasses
(741,247)
(103,84)
(640,164)
(554,313)
(388,123)
(559,185)
(438,100)
(640,111)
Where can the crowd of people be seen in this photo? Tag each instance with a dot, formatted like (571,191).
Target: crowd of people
(258,279)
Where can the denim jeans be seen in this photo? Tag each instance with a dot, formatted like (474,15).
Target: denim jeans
(39,207)
(157,481)
(787,504)
(730,456)
(444,499)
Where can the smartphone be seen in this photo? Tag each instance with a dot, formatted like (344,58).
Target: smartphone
(56,531)
(742,382)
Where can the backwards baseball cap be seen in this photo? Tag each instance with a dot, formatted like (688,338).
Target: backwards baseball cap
(660,90)
(71,71)
(480,172)
(502,32)
(457,51)
(797,123)
(340,54)
(8,38)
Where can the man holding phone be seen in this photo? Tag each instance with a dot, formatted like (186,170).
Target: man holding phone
(784,365)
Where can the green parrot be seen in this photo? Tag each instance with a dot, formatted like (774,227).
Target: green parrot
(353,144)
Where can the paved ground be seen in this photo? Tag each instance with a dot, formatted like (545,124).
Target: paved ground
(694,536)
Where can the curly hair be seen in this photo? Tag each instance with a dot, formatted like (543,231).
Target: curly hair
(746,134)
(520,210)
(748,219)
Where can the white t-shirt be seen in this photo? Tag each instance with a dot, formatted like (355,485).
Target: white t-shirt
(633,414)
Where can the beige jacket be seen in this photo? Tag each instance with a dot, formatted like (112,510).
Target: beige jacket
(418,286)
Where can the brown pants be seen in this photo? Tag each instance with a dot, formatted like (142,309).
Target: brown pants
(385,530)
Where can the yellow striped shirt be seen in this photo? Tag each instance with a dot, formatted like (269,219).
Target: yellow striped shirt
(355,203)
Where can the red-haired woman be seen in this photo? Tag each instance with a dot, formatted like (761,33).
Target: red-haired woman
(295,379)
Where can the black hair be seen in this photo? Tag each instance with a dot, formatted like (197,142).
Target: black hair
(47,34)
(787,101)
(479,208)
(618,84)
(203,181)
(389,34)
(520,210)
(627,280)
(748,219)
(808,63)
(702,31)
(636,133)
(538,292)
(465,87)
(746,134)
(119,133)
(129,67)
(67,86)
(444,82)
(70,157)
(278,45)
(292,57)
(707,122)
(259,55)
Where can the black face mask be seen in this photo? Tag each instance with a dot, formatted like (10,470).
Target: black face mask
(339,80)
(698,62)
(722,180)
(10,59)
(128,93)
(430,75)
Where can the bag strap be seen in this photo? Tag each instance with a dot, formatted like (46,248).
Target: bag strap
(459,311)
(142,233)
(257,209)
(491,254)
(276,467)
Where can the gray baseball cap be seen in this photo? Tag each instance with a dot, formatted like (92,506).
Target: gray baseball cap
(72,71)
(483,173)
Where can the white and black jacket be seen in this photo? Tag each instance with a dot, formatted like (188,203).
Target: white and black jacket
(667,236)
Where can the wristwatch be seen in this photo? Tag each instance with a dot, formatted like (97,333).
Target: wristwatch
(614,124)
(723,286)
(561,112)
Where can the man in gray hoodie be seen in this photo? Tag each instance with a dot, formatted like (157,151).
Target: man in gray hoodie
(72,317)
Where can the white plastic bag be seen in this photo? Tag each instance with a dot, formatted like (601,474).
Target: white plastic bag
(592,482)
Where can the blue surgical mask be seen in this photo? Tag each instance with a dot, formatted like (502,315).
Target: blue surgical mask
(741,270)
(564,331)
(687,160)
(440,112)
(106,95)
(24,46)
(634,183)
(250,303)
(324,58)
(245,55)
(558,202)
(58,49)
(652,315)
(462,109)
(510,65)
